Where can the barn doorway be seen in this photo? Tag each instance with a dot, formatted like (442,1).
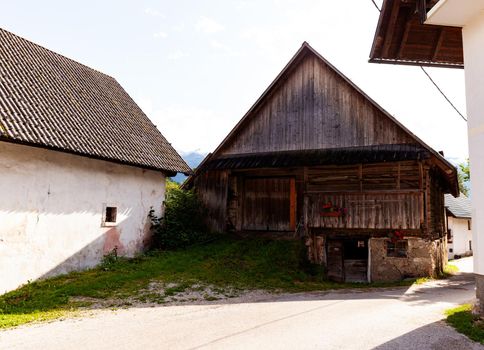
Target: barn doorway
(347,259)
(269,204)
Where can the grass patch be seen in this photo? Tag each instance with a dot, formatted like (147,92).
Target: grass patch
(238,264)
(462,319)
(451,269)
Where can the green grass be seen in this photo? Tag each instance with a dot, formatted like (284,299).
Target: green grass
(450,268)
(462,319)
(226,263)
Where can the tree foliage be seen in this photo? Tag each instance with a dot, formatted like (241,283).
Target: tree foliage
(464,177)
(183,223)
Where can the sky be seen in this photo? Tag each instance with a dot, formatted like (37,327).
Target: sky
(196,67)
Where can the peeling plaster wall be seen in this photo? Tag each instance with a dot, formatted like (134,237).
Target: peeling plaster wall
(424,258)
(51,211)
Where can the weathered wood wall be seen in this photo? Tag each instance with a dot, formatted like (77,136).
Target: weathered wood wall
(367,211)
(436,207)
(396,195)
(267,204)
(315,108)
(212,187)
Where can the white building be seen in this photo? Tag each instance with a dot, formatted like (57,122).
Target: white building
(444,33)
(459,226)
(81,165)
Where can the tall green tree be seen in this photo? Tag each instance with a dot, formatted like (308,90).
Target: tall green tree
(464,177)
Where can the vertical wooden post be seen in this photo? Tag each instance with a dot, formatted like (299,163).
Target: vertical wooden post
(360,176)
(292,205)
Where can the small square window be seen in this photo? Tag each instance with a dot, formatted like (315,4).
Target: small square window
(110,215)
(397,249)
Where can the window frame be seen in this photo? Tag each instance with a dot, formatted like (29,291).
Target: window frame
(105,222)
(394,251)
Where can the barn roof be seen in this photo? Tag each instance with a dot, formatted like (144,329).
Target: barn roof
(50,101)
(216,160)
(459,207)
(332,156)
(401,37)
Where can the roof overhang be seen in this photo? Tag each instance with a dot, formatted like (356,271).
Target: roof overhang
(455,13)
(318,157)
(403,37)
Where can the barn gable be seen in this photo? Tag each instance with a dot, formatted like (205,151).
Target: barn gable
(314,115)
(313,107)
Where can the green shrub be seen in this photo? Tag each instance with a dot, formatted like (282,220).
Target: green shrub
(184,221)
(109,259)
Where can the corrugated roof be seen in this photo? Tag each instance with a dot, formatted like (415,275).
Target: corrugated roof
(48,100)
(334,156)
(459,207)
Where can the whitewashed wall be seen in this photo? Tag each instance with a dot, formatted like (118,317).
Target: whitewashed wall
(473,35)
(51,211)
(461,235)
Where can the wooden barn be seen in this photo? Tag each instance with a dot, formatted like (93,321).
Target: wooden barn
(317,159)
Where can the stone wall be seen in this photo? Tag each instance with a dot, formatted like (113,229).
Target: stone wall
(424,258)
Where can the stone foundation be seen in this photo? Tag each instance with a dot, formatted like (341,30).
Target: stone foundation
(480,294)
(424,258)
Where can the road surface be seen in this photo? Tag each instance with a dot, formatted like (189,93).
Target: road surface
(402,318)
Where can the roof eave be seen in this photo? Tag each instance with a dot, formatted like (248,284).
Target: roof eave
(168,171)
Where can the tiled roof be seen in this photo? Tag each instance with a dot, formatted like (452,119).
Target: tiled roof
(51,101)
(459,207)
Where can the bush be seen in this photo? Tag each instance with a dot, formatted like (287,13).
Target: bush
(184,221)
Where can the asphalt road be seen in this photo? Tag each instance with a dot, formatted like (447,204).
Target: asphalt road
(378,319)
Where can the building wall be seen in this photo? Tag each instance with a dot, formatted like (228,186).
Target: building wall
(424,258)
(473,35)
(51,211)
(461,235)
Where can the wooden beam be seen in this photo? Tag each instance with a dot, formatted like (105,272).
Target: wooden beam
(292,205)
(438,44)
(360,176)
(391,28)
(404,39)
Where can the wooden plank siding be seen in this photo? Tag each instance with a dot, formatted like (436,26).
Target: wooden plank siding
(267,204)
(376,196)
(367,211)
(315,109)
(212,188)
(384,176)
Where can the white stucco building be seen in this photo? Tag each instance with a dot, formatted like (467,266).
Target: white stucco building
(445,33)
(459,226)
(469,15)
(80,165)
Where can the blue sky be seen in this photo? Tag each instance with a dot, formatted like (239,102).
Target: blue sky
(195,67)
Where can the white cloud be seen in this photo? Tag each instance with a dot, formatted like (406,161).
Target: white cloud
(155,13)
(191,128)
(208,25)
(176,55)
(179,27)
(160,35)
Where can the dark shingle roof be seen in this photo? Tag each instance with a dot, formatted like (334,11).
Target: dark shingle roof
(459,207)
(51,101)
(334,156)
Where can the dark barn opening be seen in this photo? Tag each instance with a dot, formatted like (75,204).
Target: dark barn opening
(348,259)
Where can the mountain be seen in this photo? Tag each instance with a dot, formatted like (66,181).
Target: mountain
(193,159)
